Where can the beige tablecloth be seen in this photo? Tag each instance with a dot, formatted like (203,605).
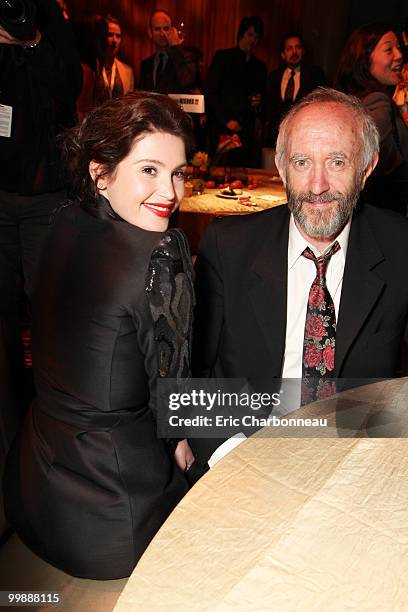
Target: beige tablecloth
(289,524)
(197,211)
(269,193)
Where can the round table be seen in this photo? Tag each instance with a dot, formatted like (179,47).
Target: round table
(197,211)
(285,523)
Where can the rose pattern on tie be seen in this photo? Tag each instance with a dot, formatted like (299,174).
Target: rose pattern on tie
(320,333)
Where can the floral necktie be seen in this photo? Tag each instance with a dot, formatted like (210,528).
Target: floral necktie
(320,333)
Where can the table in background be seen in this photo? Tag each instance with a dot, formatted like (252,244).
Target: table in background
(292,523)
(197,211)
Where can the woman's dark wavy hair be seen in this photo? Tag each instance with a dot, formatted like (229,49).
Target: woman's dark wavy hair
(107,134)
(353,73)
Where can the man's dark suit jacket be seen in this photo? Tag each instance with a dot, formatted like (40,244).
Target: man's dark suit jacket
(241,295)
(310,78)
(177,76)
(231,81)
(240,323)
(241,283)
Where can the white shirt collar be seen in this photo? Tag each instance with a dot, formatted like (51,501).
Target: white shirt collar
(297,243)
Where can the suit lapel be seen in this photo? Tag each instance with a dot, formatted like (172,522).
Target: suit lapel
(302,82)
(361,285)
(269,287)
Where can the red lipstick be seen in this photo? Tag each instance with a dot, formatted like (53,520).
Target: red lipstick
(159,208)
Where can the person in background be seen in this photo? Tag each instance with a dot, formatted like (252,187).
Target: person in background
(370,68)
(315,290)
(235,94)
(118,76)
(104,76)
(289,83)
(168,70)
(400,96)
(88,482)
(91,33)
(194,59)
(40,79)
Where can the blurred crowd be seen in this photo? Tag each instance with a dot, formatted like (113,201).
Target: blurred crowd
(243,100)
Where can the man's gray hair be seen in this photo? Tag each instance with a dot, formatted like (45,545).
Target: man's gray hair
(325,95)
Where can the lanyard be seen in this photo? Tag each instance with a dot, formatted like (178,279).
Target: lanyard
(110,85)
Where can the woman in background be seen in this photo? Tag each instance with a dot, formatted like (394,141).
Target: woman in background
(370,68)
(88,482)
(91,32)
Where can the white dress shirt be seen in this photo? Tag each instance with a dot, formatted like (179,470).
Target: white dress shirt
(285,79)
(301,274)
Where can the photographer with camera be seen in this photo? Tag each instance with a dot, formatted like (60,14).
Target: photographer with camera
(40,79)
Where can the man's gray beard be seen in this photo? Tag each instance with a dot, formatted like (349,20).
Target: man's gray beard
(323,223)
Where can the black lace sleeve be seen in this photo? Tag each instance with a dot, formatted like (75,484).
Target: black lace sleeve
(170,294)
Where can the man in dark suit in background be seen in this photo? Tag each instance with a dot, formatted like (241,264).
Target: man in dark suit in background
(290,83)
(235,93)
(168,70)
(272,286)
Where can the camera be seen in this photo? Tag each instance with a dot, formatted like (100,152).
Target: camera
(18,18)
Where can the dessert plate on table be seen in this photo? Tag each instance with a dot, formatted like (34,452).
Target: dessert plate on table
(244,195)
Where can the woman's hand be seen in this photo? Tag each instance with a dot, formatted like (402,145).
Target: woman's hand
(184,456)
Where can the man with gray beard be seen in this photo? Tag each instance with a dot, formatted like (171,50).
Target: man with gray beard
(315,290)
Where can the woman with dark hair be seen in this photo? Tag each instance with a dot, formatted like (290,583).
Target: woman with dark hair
(370,68)
(89,482)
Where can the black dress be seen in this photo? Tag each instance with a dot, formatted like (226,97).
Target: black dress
(88,482)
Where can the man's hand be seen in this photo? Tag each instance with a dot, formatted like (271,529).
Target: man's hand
(233,125)
(173,37)
(184,455)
